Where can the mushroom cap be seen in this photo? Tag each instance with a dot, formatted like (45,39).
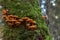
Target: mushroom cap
(7,10)
(4,12)
(32,27)
(11,16)
(28,24)
(15,16)
(33,22)
(20,20)
(9,23)
(13,20)
(29,20)
(17,23)
(5,17)
(8,20)
(25,18)
(44,17)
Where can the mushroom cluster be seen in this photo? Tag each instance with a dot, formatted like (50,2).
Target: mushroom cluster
(30,23)
(9,19)
(14,21)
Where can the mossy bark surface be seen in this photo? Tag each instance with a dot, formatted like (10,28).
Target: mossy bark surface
(25,8)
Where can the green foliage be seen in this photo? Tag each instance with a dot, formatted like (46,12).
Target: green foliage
(23,8)
(0,1)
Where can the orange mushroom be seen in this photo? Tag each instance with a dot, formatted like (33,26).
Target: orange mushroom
(15,17)
(28,24)
(10,24)
(13,20)
(8,21)
(7,10)
(33,22)
(25,18)
(5,17)
(29,20)
(20,20)
(33,27)
(4,12)
(44,17)
(11,16)
(17,23)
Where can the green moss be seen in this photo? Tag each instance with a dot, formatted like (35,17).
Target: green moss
(23,8)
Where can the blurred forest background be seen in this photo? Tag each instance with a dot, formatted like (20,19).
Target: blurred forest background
(53,12)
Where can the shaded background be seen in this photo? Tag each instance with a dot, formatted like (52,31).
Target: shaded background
(51,9)
(53,12)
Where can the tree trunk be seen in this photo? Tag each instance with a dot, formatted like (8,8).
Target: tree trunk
(28,23)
